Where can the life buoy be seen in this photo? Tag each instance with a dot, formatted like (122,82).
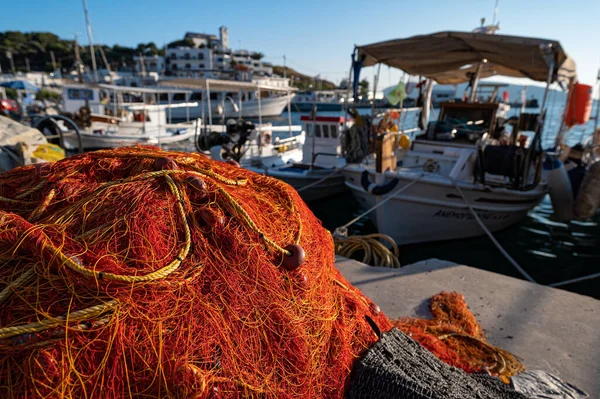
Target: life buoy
(588,198)
(266,138)
(375,189)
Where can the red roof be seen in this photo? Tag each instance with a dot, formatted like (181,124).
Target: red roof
(330,119)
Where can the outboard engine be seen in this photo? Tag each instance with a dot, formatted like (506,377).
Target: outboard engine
(230,145)
(559,188)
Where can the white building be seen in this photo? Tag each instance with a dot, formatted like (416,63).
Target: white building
(152,63)
(211,57)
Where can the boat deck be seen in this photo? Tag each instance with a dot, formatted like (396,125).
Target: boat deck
(548,328)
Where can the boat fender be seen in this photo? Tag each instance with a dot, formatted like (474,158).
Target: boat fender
(559,188)
(375,189)
(588,198)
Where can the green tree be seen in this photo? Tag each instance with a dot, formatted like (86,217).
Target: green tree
(363,88)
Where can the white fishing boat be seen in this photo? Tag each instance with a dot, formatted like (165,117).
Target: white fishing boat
(261,145)
(318,175)
(107,121)
(469,171)
(232,99)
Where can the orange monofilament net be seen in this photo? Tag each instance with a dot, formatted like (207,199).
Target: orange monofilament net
(142,273)
(455,337)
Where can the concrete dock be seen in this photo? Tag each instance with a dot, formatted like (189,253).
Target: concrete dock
(548,328)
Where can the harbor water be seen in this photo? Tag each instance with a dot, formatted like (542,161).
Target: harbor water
(550,252)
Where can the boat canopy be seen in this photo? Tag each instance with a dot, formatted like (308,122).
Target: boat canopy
(222,85)
(453,57)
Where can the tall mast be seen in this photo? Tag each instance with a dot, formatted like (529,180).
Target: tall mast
(78,63)
(89,33)
(106,64)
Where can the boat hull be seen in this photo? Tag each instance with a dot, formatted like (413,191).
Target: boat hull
(270,106)
(333,184)
(93,141)
(433,210)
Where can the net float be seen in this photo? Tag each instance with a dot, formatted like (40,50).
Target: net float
(198,184)
(164,164)
(296,257)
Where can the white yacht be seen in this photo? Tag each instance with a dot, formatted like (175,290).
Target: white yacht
(470,168)
(229,98)
(107,121)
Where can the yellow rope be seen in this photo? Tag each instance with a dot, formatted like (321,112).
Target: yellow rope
(79,315)
(21,280)
(374,251)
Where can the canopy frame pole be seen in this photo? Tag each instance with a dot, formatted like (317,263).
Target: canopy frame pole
(594,133)
(156,99)
(170,112)
(115,102)
(349,91)
(289,112)
(187,107)
(260,133)
(143,113)
(473,94)
(375,81)
(209,106)
(202,95)
(240,102)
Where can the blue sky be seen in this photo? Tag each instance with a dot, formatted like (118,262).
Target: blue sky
(316,36)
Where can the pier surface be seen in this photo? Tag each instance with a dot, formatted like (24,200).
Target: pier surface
(549,329)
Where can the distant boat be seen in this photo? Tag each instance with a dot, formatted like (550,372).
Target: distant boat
(106,124)
(229,98)
(315,176)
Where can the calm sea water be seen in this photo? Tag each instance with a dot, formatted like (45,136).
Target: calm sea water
(548,251)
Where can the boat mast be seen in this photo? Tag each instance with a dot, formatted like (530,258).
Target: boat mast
(78,63)
(89,33)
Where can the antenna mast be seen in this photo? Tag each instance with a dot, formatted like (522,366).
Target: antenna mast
(89,33)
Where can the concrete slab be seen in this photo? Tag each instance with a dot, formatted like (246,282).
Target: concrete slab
(550,329)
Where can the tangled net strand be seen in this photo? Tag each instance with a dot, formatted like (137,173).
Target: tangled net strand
(142,273)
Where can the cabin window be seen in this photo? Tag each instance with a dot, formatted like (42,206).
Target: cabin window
(187,56)
(87,94)
(214,96)
(201,56)
(196,96)
(74,94)
(188,66)
(325,129)
(317,130)
(80,94)
(179,97)
(334,132)
(163,97)
(201,66)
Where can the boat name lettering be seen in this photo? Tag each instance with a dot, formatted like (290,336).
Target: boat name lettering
(469,216)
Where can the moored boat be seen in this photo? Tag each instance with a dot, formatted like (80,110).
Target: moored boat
(471,171)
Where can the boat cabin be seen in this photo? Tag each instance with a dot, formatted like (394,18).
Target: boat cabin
(322,146)
(76,96)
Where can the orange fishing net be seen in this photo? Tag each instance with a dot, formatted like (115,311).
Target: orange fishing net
(455,337)
(141,273)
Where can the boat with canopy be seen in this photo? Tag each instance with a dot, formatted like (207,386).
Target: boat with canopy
(472,170)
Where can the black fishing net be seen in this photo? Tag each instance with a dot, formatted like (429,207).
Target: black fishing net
(398,367)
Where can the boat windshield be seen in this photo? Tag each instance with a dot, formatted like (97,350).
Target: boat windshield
(465,122)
